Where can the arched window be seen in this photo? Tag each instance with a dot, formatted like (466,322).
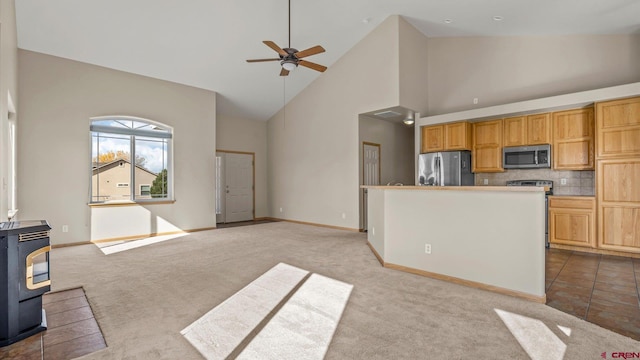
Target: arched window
(130,160)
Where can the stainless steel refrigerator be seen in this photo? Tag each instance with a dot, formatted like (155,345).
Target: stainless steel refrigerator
(447,168)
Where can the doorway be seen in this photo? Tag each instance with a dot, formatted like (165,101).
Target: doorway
(370,173)
(235,186)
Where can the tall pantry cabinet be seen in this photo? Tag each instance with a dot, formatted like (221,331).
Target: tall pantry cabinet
(618,174)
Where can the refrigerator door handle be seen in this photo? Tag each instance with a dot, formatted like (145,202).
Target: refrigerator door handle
(439,170)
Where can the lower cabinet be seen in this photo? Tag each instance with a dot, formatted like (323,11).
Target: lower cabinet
(572,220)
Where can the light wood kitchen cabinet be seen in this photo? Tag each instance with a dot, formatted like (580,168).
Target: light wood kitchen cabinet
(572,220)
(487,146)
(514,131)
(527,130)
(454,136)
(573,139)
(618,125)
(618,194)
(618,174)
(432,138)
(457,136)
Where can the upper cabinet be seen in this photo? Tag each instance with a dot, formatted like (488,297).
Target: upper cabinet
(573,139)
(618,124)
(454,136)
(432,138)
(487,146)
(527,130)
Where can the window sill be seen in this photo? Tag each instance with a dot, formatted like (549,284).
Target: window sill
(131,203)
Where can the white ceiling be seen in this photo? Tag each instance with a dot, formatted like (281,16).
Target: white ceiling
(204,43)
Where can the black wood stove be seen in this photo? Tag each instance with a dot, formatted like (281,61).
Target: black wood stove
(24,278)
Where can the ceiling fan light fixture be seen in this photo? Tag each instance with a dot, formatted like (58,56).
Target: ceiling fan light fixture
(288,65)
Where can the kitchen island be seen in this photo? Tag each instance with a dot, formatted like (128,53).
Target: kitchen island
(490,237)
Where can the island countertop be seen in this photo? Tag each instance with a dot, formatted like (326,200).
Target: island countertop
(458,188)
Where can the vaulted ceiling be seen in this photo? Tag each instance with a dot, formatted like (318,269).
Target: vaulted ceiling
(204,43)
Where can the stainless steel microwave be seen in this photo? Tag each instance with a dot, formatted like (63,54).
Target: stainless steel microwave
(526,157)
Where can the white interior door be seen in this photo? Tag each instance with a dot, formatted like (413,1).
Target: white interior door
(238,180)
(370,173)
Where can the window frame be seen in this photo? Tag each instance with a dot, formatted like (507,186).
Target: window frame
(133,134)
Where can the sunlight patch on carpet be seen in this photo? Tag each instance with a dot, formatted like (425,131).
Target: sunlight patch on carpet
(109,248)
(565,330)
(534,336)
(304,326)
(217,334)
(284,314)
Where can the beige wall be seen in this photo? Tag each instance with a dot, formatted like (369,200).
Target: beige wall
(501,70)
(413,71)
(234,134)
(8,85)
(396,152)
(313,144)
(396,146)
(54,142)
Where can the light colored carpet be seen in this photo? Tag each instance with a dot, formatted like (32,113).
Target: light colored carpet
(142,298)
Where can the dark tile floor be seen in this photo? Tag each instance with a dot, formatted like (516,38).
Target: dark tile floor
(600,289)
(71,332)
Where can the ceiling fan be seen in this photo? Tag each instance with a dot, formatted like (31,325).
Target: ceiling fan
(290,58)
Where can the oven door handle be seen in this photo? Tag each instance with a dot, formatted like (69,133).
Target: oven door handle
(535,157)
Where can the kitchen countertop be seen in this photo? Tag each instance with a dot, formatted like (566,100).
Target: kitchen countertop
(459,188)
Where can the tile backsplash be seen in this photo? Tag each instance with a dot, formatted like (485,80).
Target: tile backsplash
(578,182)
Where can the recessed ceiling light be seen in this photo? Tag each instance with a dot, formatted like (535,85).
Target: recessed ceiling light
(447,21)
(497,18)
(366,20)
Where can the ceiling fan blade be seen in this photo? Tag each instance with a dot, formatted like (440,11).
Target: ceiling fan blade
(284,72)
(311,65)
(275,47)
(260,60)
(310,51)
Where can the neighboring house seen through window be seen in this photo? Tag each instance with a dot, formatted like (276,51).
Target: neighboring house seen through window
(130,160)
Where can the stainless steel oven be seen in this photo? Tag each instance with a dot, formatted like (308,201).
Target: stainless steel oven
(540,183)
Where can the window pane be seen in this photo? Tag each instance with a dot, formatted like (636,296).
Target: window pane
(152,160)
(110,167)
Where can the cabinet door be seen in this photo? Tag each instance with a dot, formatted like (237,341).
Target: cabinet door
(538,129)
(618,128)
(573,140)
(572,220)
(487,146)
(487,133)
(457,136)
(618,195)
(514,131)
(432,138)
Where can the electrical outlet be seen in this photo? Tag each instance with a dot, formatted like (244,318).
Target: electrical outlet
(280,209)
(344,216)
(475,100)
(485,181)
(373,231)
(427,248)
(563,181)
(65,228)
